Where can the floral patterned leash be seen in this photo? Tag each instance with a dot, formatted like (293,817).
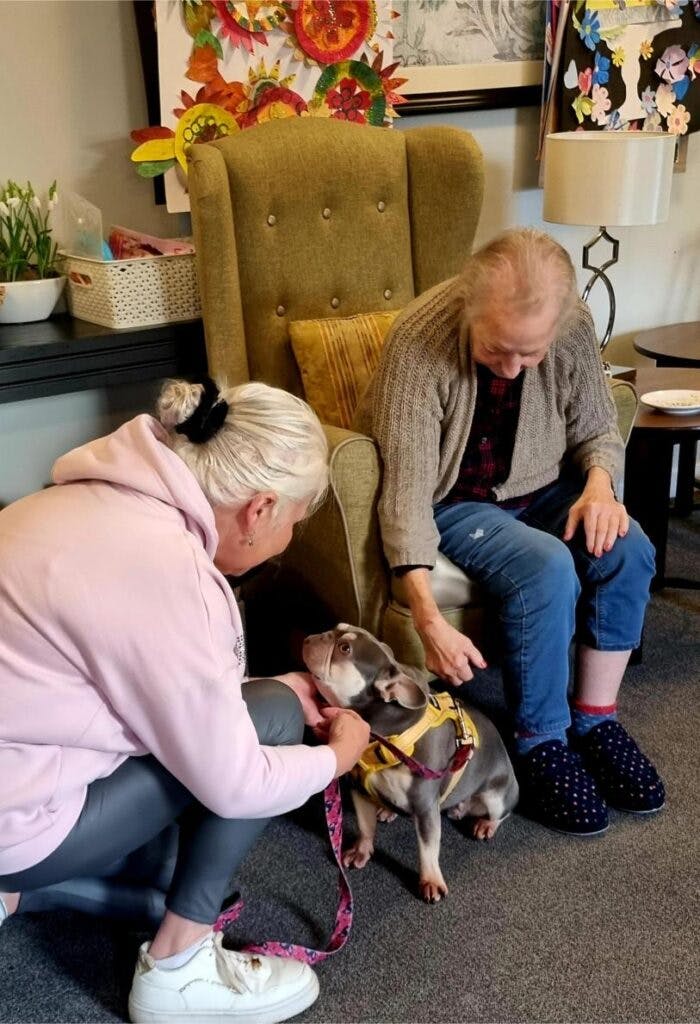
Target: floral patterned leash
(333,809)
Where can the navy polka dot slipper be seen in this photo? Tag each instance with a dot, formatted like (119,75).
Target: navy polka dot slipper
(625,777)
(556,791)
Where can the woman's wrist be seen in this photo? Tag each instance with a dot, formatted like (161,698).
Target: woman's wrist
(598,479)
(348,739)
(424,610)
(344,760)
(425,621)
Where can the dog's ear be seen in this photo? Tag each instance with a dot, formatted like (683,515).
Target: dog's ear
(395,683)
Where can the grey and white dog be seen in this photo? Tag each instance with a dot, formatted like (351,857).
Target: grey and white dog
(352,669)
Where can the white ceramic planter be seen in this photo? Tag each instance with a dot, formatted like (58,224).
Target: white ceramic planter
(23,302)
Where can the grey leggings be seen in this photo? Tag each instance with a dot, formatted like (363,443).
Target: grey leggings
(142,832)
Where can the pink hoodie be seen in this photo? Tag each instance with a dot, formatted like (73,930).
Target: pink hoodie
(120,637)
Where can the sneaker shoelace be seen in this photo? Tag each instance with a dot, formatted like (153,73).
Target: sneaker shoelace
(244,972)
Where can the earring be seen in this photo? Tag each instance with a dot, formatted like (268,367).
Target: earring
(251,540)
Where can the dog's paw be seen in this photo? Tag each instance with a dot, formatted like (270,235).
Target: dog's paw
(432,891)
(359,854)
(459,810)
(484,828)
(384,814)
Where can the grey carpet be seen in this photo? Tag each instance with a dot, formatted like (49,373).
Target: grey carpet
(537,927)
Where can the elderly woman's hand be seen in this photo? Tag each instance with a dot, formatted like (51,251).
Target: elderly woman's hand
(602,516)
(348,736)
(448,653)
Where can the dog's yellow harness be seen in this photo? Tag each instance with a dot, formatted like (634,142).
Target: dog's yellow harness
(441,708)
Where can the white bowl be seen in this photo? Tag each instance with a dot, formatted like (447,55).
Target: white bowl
(23,302)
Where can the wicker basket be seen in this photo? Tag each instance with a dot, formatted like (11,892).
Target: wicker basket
(132,293)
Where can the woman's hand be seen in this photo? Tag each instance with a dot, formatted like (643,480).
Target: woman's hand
(604,518)
(346,734)
(449,653)
(303,685)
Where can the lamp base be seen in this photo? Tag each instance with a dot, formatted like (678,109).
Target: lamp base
(600,275)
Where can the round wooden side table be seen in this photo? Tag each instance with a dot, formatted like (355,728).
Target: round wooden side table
(649,458)
(672,345)
(676,345)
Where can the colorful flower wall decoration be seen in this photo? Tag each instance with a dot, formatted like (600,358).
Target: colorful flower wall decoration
(631,65)
(254,62)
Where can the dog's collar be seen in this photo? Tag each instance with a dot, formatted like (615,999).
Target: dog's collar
(441,708)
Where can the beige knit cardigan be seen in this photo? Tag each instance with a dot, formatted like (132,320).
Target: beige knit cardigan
(420,403)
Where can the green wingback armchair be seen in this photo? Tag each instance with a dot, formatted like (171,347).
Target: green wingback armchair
(305,218)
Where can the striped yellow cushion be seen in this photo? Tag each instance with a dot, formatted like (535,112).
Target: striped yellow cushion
(336,358)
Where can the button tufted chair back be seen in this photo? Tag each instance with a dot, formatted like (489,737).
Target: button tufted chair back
(304,218)
(314,217)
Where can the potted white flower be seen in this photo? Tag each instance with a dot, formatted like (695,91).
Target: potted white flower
(30,284)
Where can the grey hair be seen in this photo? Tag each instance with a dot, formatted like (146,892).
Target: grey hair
(270,441)
(518,270)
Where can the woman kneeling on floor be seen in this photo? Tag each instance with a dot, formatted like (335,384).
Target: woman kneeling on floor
(122,670)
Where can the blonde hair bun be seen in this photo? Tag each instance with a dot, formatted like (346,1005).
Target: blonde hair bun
(245,440)
(177,401)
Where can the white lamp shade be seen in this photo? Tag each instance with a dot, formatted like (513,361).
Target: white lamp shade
(608,178)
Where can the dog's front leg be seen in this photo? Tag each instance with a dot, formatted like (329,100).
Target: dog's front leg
(362,849)
(428,826)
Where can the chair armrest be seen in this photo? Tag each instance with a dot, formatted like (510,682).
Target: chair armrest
(338,551)
(626,402)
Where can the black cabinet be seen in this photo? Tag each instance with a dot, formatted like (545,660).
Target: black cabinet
(63,354)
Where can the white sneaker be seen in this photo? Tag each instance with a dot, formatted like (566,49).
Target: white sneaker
(219,984)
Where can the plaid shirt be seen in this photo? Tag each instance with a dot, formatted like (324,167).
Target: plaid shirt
(486,459)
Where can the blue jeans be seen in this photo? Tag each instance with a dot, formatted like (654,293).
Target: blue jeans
(546,592)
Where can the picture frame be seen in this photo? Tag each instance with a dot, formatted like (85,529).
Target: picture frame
(145,19)
(462,87)
(449,51)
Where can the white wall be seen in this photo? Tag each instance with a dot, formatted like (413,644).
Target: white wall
(70,77)
(72,89)
(35,432)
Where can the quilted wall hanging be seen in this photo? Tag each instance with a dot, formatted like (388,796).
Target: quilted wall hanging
(629,65)
(224,66)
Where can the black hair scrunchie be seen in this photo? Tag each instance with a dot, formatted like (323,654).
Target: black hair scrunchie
(208,417)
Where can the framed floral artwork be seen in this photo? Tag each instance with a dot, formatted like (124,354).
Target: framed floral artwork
(469,54)
(213,68)
(629,67)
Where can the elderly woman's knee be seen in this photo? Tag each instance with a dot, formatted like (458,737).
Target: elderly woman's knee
(629,565)
(636,549)
(552,567)
(275,710)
